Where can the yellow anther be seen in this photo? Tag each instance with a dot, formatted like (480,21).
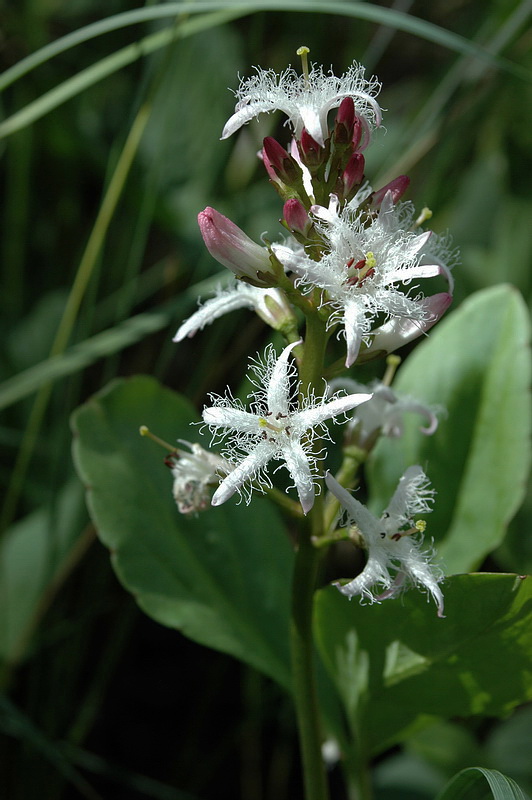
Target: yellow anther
(421,526)
(371,261)
(303,52)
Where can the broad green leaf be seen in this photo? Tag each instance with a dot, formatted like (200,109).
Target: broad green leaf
(397,666)
(221,578)
(33,552)
(477,783)
(476,364)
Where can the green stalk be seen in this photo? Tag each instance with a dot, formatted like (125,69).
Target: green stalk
(303,672)
(303,587)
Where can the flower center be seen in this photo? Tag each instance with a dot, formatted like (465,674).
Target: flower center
(364,269)
(267,425)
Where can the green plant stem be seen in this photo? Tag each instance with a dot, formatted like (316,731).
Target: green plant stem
(303,674)
(311,366)
(303,587)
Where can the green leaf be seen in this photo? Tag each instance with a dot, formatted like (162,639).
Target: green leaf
(477,783)
(221,578)
(34,553)
(396,665)
(476,364)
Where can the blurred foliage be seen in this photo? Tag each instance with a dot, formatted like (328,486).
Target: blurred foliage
(99,701)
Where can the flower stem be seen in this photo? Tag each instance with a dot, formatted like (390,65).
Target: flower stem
(303,587)
(303,674)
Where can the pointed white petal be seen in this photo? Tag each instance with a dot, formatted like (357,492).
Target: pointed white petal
(375,573)
(364,519)
(299,468)
(309,417)
(355,326)
(212,309)
(405,273)
(234,418)
(279,383)
(403,503)
(242,116)
(243,472)
(313,123)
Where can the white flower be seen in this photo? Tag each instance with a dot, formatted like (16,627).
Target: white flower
(276,427)
(194,473)
(270,305)
(367,254)
(384,412)
(306,100)
(392,542)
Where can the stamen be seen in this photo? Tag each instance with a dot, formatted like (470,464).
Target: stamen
(371,261)
(145,431)
(419,527)
(392,362)
(426,214)
(303,51)
(263,423)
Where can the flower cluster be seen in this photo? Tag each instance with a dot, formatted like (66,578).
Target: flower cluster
(352,263)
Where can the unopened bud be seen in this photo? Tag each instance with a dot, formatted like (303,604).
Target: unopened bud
(311,152)
(397,187)
(353,174)
(279,164)
(229,245)
(357,133)
(296,217)
(345,121)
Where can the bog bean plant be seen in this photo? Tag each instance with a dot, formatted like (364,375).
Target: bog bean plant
(322,514)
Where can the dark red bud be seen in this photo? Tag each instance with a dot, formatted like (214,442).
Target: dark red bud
(345,120)
(397,187)
(274,152)
(310,148)
(279,164)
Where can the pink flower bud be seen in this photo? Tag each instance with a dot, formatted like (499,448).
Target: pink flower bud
(296,217)
(357,133)
(345,121)
(279,164)
(354,172)
(229,245)
(397,187)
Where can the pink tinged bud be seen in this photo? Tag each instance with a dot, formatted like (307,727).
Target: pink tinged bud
(397,187)
(345,121)
(296,217)
(357,133)
(353,174)
(279,164)
(229,245)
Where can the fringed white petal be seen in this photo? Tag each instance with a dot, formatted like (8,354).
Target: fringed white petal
(298,465)
(243,472)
